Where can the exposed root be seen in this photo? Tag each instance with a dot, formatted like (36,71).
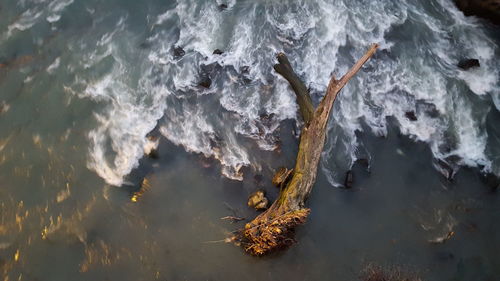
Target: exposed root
(264,235)
(233,219)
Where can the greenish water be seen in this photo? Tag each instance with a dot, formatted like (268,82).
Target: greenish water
(82,83)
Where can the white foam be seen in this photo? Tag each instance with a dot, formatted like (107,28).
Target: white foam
(124,126)
(25,21)
(54,65)
(421,74)
(247,100)
(51,11)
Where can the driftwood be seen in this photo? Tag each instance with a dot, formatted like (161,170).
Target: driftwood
(274,229)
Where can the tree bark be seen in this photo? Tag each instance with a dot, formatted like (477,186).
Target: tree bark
(274,229)
(303,99)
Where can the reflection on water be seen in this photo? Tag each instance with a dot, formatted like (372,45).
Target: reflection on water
(400,213)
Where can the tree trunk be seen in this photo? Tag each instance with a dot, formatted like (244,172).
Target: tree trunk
(274,229)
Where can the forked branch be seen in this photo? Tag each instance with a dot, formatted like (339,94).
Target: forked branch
(274,229)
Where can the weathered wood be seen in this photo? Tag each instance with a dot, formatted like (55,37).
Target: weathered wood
(274,228)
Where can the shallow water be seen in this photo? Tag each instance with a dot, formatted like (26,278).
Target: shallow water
(83,82)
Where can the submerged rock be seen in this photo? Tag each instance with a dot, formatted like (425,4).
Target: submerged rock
(222,7)
(218,52)
(258,179)
(145,45)
(205,81)
(258,200)
(447,169)
(410,115)
(179,52)
(245,69)
(207,71)
(245,74)
(429,109)
(363,162)
(467,64)
(491,180)
(151,147)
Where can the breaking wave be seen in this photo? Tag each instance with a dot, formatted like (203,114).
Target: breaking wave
(151,77)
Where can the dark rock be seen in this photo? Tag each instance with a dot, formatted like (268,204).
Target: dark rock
(454,159)
(179,52)
(153,154)
(467,64)
(349,180)
(205,81)
(207,72)
(222,7)
(218,52)
(245,69)
(410,115)
(267,119)
(152,150)
(429,109)
(491,180)
(215,141)
(244,74)
(258,178)
(449,143)
(487,9)
(363,162)
(446,169)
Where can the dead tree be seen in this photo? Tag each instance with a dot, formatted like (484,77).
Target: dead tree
(274,229)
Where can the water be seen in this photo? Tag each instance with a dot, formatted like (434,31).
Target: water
(82,83)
